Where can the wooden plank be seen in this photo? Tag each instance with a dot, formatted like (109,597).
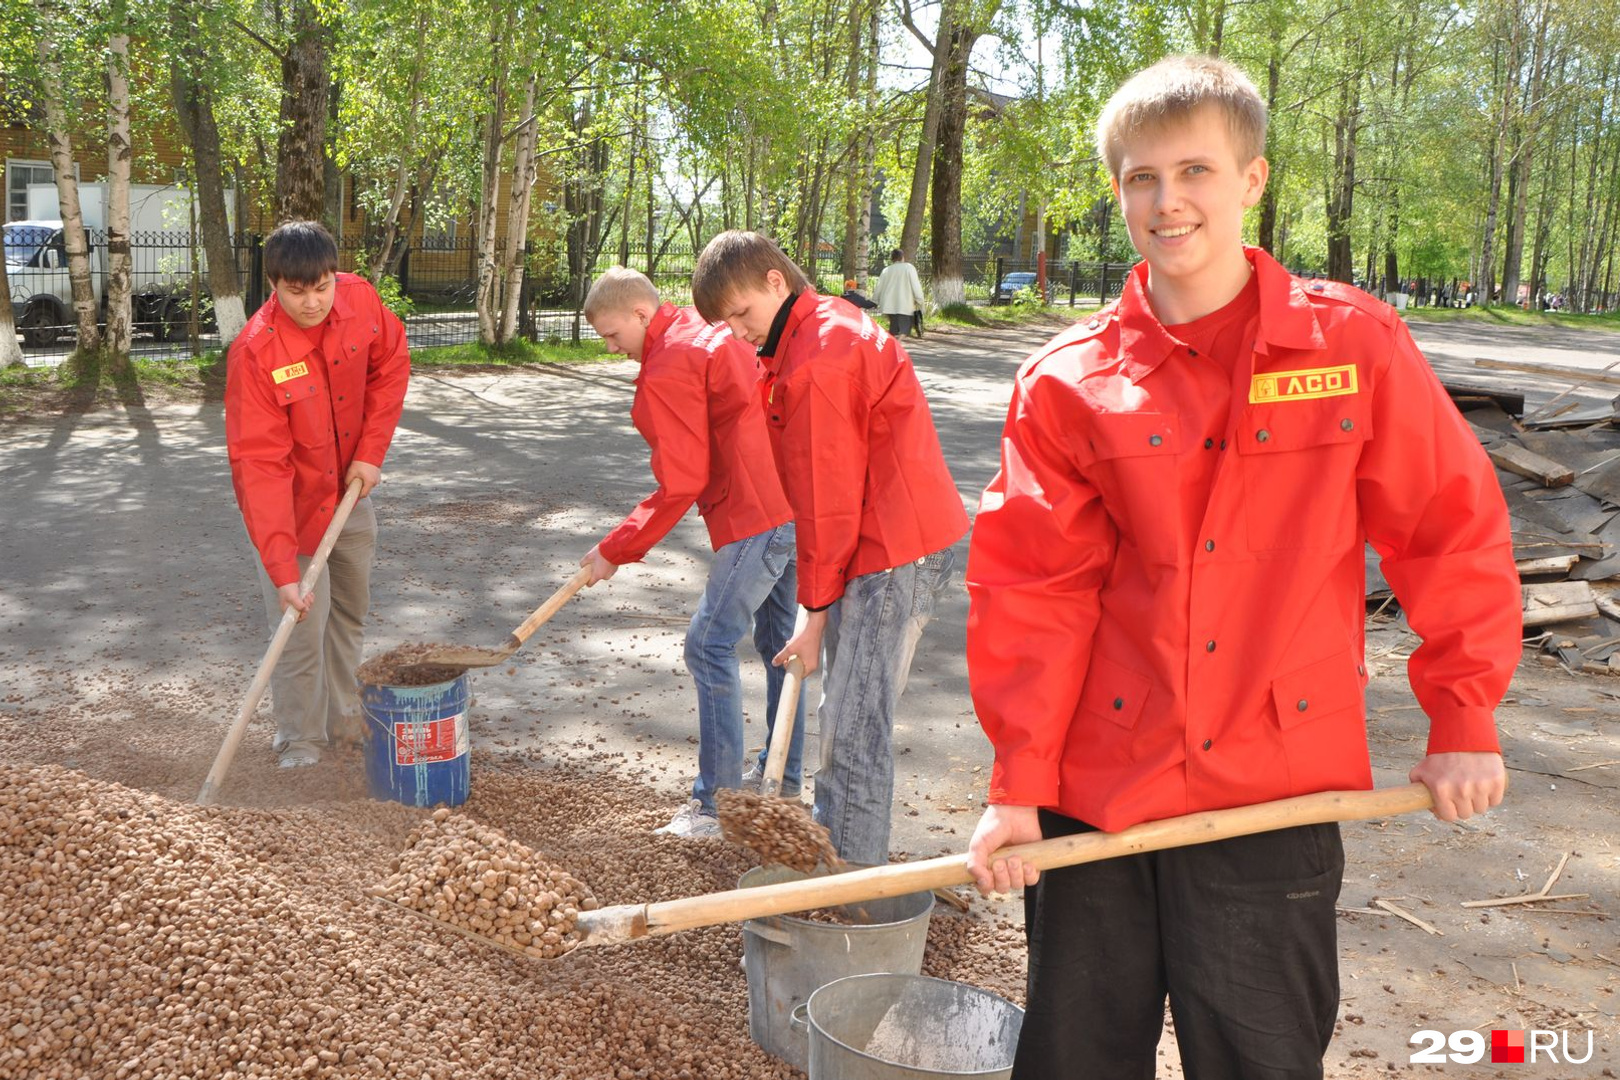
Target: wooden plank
(1558,601)
(1545,471)
(1577,375)
(1555,564)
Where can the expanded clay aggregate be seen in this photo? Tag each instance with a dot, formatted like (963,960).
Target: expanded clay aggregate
(145,937)
(465,874)
(402,666)
(778,830)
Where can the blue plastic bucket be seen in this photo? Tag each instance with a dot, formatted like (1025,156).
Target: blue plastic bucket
(417,743)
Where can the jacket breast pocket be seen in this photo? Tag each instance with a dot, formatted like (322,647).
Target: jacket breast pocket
(1114,692)
(309,413)
(1298,460)
(1133,458)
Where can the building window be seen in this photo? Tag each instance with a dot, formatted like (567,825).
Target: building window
(19,174)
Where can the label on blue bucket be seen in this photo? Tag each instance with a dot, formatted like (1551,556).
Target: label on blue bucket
(432,740)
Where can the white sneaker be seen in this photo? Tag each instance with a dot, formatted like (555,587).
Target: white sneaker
(691,823)
(755,776)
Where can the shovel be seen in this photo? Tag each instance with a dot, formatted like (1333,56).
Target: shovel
(278,643)
(629,922)
(472,656)
(787,709)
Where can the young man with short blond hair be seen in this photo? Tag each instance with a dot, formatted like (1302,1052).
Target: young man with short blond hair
(697,405)
(875,507)
(1167,608)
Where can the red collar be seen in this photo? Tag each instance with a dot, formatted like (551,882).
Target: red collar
(1287,320)
(655,330)
(290,336)
(803,307)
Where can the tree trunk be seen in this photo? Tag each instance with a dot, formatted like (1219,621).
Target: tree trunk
(911,231)
(194,105)
(1506,69)
(494,121)
(74,239)
(10,352)
(120,307)
(1268,201)
(301,147)
(1342,184)
(331,178)
(946,248)
(1529,111)
(517,219)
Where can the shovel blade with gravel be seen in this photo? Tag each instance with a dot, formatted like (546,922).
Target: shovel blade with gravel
(416,662)
(630,922)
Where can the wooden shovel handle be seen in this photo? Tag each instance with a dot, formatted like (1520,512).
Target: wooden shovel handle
(284,629)
(787,711)
(545,611)
(898,879)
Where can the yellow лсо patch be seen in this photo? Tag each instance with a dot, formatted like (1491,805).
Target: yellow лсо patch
(291,371)
(1303,385)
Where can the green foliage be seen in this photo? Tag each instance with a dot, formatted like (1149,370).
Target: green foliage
(516,352)
(393,299)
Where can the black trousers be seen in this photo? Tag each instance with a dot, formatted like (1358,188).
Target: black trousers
(1240,934)
(899,325)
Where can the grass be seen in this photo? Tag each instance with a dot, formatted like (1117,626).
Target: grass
(83,383)
(1514,316)
(512,354)
(1005,314)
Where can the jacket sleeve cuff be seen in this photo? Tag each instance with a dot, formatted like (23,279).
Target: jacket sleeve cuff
(1465,729)
(282,573)
(1024,781)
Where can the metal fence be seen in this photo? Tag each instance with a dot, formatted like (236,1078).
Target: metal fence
(438,278)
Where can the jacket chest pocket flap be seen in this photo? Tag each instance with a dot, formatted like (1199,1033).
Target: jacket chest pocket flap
(1114,691)
(1131,435)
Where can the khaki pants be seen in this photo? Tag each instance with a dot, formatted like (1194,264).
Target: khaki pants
(314,692)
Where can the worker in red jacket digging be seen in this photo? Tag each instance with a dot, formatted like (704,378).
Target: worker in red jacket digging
(314,387)
(697,405)
(875,506)
(1167,608)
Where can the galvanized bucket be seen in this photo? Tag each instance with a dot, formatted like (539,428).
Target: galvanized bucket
(789,958)
(908,1027)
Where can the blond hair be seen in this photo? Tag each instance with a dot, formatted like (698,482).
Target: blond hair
(1171,92)
(619,289)
(737,260)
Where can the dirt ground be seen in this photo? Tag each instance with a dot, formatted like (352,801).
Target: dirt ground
(130,626)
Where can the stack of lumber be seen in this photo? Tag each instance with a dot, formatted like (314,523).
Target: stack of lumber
(1562,486)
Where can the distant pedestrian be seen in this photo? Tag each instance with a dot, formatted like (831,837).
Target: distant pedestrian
(899,293)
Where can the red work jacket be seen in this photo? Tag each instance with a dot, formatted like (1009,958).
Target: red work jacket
(856,447)
(296,417)
(1167,575)
(697,405)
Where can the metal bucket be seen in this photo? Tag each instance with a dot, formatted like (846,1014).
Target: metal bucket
(789,958)
(908,1027)
(417,742)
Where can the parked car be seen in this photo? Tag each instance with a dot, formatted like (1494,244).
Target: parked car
(1011,283)
(35,251)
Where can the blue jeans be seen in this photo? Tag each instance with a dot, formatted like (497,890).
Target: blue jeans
(871,636)
(751,582)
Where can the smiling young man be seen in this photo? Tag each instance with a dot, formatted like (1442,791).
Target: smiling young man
(1167,608)
(874,504)
(697,405)
(314,387)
